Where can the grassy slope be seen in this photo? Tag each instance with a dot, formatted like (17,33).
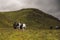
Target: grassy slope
(32,17)
(35,20)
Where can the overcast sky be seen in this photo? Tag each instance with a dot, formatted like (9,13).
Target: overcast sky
(49,6)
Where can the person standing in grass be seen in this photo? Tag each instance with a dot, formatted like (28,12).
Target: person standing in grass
(15,25)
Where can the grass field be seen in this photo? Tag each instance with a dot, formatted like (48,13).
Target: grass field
(38,25)
(29,34)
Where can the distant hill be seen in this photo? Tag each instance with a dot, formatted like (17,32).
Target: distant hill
(34,18)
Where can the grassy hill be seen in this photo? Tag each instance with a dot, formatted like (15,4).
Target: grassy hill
(37,23)
(32,17)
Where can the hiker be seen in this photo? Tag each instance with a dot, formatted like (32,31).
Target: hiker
(24,26)
(15,25)
(51,27)
(19,24)
(57,27)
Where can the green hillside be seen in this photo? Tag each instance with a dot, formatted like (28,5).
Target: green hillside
(32,17)
(37,23)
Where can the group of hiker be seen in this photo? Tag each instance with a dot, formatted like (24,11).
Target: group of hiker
(56,27)
(19,25)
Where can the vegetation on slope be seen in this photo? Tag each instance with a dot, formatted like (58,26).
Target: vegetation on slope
(11,34)
(34,18)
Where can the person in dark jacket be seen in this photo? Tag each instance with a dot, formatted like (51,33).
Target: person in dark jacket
(15,25)
(51,27)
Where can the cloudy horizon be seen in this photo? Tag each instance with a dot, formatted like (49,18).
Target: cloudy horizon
(51,7)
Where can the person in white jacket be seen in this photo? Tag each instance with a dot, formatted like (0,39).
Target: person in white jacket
(19,25)
(24,26)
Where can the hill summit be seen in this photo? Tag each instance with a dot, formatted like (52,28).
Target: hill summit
(34,18)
